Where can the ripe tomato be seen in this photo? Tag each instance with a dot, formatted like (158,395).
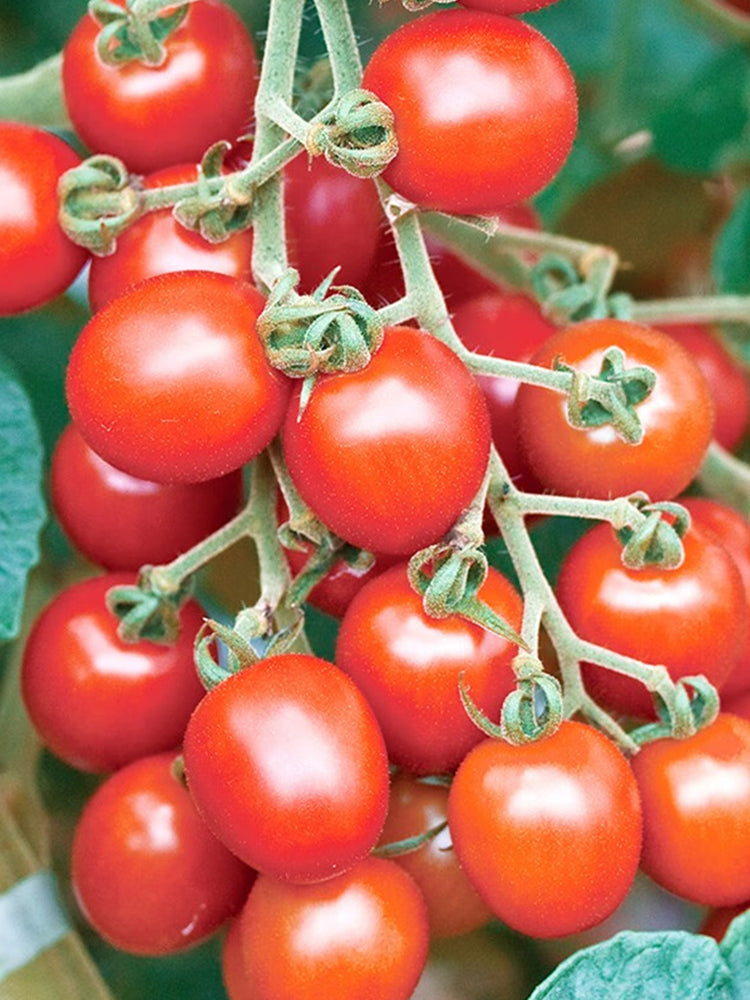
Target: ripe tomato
(147,873)
(356,937)
(677,417)
(693,619)
(96,701)
(408,665)
(170,383)
(37,260)
(388,457)
(506,6)
(156,116)
(548,832)
(485,110)
(233,974)
(696,812)
(287,765)
(716,922)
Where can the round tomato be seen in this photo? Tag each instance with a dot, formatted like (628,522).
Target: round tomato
(408,666)
(692,619)
(485,110)
(147,873)
(677,417)
(287,765)
(96,701)
(716,922)
(548,832)
(389,456)
(696,812)
(170,382)
(233,974)
(37,260)
(156,116)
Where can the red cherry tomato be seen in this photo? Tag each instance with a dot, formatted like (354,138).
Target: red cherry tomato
(156,116)
(96,701)
(548,832)
(408,666)
(692,619)
(170,383)
(147,873)
(37,260)
(717,921)
(485,110)
(359,936)
(741,5)
(233,973)
(287,765)
(677,417)
(388,457)
(696,812)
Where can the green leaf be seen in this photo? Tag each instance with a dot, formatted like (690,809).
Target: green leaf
(731,260)
(735,950)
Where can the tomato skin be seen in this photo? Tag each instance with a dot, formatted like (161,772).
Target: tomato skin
(287,765)
(696,812)
(146,871)
(717,921)
(154,117)
(388,457)
(408,665)
(37,260)
(485,110)
(233,973)
(677,418)
(170,382)
(98,702)
(356,937)
(548,832)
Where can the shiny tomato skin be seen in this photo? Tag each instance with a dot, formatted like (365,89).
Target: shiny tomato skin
(408,666)
(233,974)
(389,456)
(100,703)
(170,382)
(153,117)
(146,871)
(485,110)
(287,765)
(691,619)
(360,936)
(37,260)
(696,812)
(677,417)
(548,832)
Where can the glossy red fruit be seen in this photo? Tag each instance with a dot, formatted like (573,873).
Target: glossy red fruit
(716,922)
(236,981)
(96,701)
(147,873)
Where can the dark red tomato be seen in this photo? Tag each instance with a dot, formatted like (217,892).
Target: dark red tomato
(677,417)
(453,906)
(505,6)
(154,117)
(360,936)
(408,666)
(696,812)
(287,765)
(485,110)
(388,457)
(37,260)
(692,619)
(741,5)
(730,391)
(716,922)
(170,382)
(147,873)
(96,701)
(548,832)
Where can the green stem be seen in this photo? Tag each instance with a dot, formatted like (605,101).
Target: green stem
(709,309)
(396,313)
(148,10)
(261,515)
(341,43)
(726,477)
(35,97)
(278,110)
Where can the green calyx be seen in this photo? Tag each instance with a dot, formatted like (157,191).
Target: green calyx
(359,136)
(655,541)
(136,32)
(98,202)
(694,704)
(216,210)
(150,608)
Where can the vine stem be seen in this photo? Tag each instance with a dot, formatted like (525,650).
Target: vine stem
(726,477)
(35,96)
(709,309)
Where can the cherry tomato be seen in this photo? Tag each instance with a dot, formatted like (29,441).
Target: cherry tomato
(156,116)
(692,619)
(233,972)
(677,417)
(37,260)
(170,383)
(696,812)
(96,701)
(741,5)
(388,457)
(485,110)
(356,937)
(506,6)
(548,832)
(408,666)
(716,922)
(287,765)
(147,873)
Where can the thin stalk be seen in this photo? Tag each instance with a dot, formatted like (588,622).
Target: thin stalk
(341,43)
(35,96)
(708,309)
